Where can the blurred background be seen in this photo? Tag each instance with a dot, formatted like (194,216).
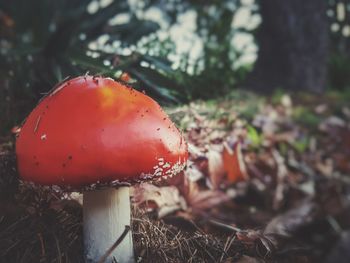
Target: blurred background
(260,90)
(177,51)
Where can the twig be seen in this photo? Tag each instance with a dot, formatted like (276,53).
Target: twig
(223,225)
(37,123)
(40,236)
(227,246)
(334,224)
(115,245)
(58,249)
(282,173)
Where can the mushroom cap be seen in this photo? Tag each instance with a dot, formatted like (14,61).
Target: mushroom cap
(93,131)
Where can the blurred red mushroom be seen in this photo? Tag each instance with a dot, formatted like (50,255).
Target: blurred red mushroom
(98,136)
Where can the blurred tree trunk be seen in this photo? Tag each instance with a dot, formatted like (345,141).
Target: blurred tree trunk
(293,46)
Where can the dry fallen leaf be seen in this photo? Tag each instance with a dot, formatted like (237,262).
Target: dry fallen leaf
(234,165)
(288,223)
(215,168)
(166,199)
(208,199)
(192,173)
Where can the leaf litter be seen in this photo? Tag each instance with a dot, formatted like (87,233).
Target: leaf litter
(267,181)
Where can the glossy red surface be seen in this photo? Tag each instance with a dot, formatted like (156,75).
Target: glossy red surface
(93,129)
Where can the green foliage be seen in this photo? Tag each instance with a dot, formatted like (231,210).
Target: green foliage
(302,144)
(43,41)
(253,135)
(342,97)
(277,96)
(213,73)
(246,103)
(306,117)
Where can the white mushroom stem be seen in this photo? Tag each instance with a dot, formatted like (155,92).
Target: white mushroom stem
(105,215)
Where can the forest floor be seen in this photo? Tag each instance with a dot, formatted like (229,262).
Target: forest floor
(268,180)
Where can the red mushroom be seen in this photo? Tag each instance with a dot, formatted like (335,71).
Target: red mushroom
(92,133)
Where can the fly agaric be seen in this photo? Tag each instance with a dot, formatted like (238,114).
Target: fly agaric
(98,136)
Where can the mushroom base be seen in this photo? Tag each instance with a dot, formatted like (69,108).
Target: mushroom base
(105,214)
